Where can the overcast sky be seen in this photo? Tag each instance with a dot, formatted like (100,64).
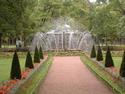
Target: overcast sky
(92,0)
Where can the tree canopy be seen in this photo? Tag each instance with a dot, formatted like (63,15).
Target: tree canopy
(104,18)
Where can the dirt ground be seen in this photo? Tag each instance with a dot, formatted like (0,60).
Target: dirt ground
(68,75)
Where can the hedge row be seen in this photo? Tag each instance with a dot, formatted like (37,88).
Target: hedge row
(15,68)
(108,59)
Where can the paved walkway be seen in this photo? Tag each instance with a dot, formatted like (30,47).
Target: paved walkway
(69,76)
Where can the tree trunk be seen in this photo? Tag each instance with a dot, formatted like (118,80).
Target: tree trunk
(106,39)
(24,40)
(0,40)
(25,44)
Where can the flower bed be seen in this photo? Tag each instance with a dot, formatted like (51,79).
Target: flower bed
(10,86)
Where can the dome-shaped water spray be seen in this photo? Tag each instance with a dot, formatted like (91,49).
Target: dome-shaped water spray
(63,37)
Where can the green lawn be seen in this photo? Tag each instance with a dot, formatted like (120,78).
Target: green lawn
(8,46)
(6,60)
(117,61)
(5,65)
(117,57)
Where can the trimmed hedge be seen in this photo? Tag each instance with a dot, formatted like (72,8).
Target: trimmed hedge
(30,85)
(99,54)
(122,69)
(93,52)
(15,68)
(114,47)
(41,53)
(29,62)
(108,60)
(22,49)
(36,56)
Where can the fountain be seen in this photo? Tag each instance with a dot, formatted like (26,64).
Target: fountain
(63,37)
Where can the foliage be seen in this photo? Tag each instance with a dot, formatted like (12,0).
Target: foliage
(29,62)
(22,18)
(99,54)
(15,18)
(106,20)
(108,60)
(15,68)
(41,53)
(36,56)
(122,69)
(93,52)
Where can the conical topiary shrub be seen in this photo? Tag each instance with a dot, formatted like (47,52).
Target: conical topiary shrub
(108,60)
(29,62)
(15,68)
(122,69)
(99,54)
(41,53)
(93,52)
(36,56)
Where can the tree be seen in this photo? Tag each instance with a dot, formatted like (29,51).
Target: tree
(108,60)
(29,62)
(25,17)
(15,68)
(99,54)
(41,53)
(93,52)
(36,56)
(0,40)
(13,17)
(21,18)
(122,68)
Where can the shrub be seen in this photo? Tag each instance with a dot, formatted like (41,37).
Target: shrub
(93,52)
(122,69)
(99,54)
(41,53)
(29,62)
(36,56)
(108,60)
(15,68)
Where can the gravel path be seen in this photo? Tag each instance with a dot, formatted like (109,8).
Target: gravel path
(69,76)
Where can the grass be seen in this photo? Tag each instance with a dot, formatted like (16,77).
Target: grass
(8,46)
(5,65)
(117,58)
(6,60)
(117,61)
(101,73)
(32,84)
